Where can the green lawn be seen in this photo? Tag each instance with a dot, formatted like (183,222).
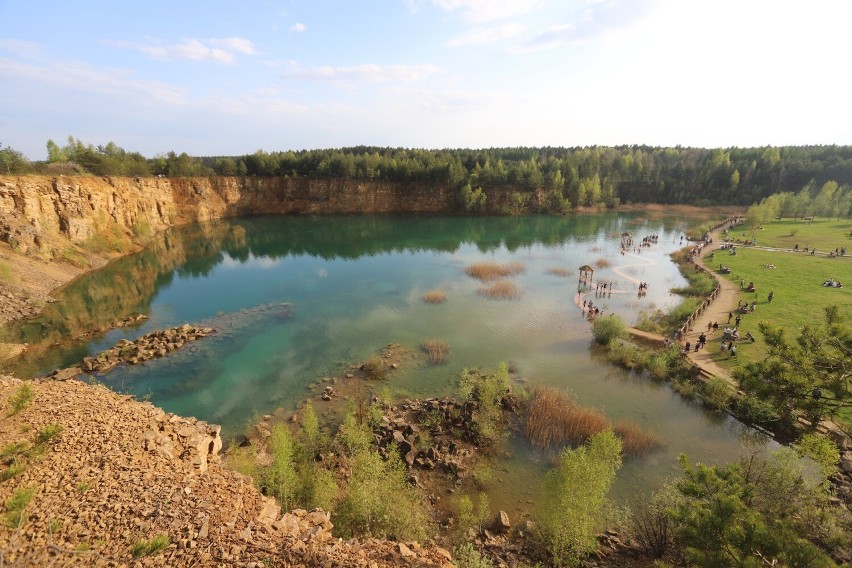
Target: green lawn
(799,294)
(823,234)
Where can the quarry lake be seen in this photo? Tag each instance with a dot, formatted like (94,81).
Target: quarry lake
(353,285)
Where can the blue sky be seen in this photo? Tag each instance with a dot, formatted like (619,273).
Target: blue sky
(228,78)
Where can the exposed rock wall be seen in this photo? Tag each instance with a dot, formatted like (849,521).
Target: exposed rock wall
(35,208)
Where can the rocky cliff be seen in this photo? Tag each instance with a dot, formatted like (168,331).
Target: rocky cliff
(107,212)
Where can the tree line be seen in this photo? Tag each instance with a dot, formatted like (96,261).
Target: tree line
(561,179)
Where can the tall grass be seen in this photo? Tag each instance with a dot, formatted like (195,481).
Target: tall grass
(602,263)
(553,419)
(635,441)
(438,350)
(435,297)
(500,290)
(488,271)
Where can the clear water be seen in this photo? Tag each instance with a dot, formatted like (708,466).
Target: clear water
(355,284)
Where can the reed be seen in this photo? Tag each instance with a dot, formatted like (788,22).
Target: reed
(438,350)
(558,271)
(602,263)
(488,271)
(435,297)
(500,290)
(553,419)
(635,441)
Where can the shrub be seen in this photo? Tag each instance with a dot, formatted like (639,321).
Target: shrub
(243,460)
(15,505)
(48,433)
(608,328)
(651,526)
(717,392)
(577,486)
(435,297)
(19,400)
(487,271)
(280,477)
(635,441)
(500,290)
(466,556)
(437,349)
(374,367)
(487,390)
(149,547)
(378,500)
(755,410)
(470,516)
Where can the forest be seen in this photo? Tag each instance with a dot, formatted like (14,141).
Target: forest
(562,179)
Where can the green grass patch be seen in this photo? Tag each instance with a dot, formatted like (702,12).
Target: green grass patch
(15,505)
(19,400)
(48,433)
(149,547)
(823,234)
(799,295)
(5,272)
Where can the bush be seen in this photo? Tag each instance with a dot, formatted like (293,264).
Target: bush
(466,556)
(374,367)
(435,297)
(280,477)
(19,400)
(500,290)
(470,516)
(717,392)
(15,505)
(149,547)
(577,486)
(437,349)
(651,525)
(487,390)
(608,328)
(755,410)
(487,271)
(379,502)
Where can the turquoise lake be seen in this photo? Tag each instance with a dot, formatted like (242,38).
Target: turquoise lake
(355,284)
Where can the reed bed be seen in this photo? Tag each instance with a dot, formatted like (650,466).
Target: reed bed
(500,290)
(559,271)
(438,350)
(635,441)
(553,419)
(488,271)
(602,263)
(436,296)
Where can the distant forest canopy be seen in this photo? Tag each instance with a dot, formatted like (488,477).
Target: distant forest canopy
(562,178)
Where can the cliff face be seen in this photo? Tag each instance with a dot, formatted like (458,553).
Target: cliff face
(35,208)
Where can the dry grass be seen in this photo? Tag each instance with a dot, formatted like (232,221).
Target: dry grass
(437,349)
(501,290)
(554,420)
(635,442)
(558,271)
(435,297)
(488,271)
(602,263)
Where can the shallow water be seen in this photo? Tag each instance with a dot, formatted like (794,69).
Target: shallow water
(355,285)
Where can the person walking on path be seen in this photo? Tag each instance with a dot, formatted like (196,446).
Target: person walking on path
(769,298)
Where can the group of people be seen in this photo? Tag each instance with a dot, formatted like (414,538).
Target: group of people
(643,288)
(590,310)
(832,283)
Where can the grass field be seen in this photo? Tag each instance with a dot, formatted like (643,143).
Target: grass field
(823,234)
(796,280)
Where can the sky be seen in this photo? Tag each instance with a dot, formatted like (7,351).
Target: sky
(229,78)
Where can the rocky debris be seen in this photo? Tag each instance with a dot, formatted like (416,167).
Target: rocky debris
(328,393)
(121,472)
(428,434)
(129,320)
(150,346)
(16,306)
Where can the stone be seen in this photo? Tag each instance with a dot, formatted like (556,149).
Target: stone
(501,523)
(404,551)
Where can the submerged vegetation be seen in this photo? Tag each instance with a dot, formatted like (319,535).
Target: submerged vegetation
(435,297)
(500,290)
(488,271)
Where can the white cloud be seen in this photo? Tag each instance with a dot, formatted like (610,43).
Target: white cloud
(298,27)
(82,77)
(221,50)
(366,73)
(484,36)
(485,10)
